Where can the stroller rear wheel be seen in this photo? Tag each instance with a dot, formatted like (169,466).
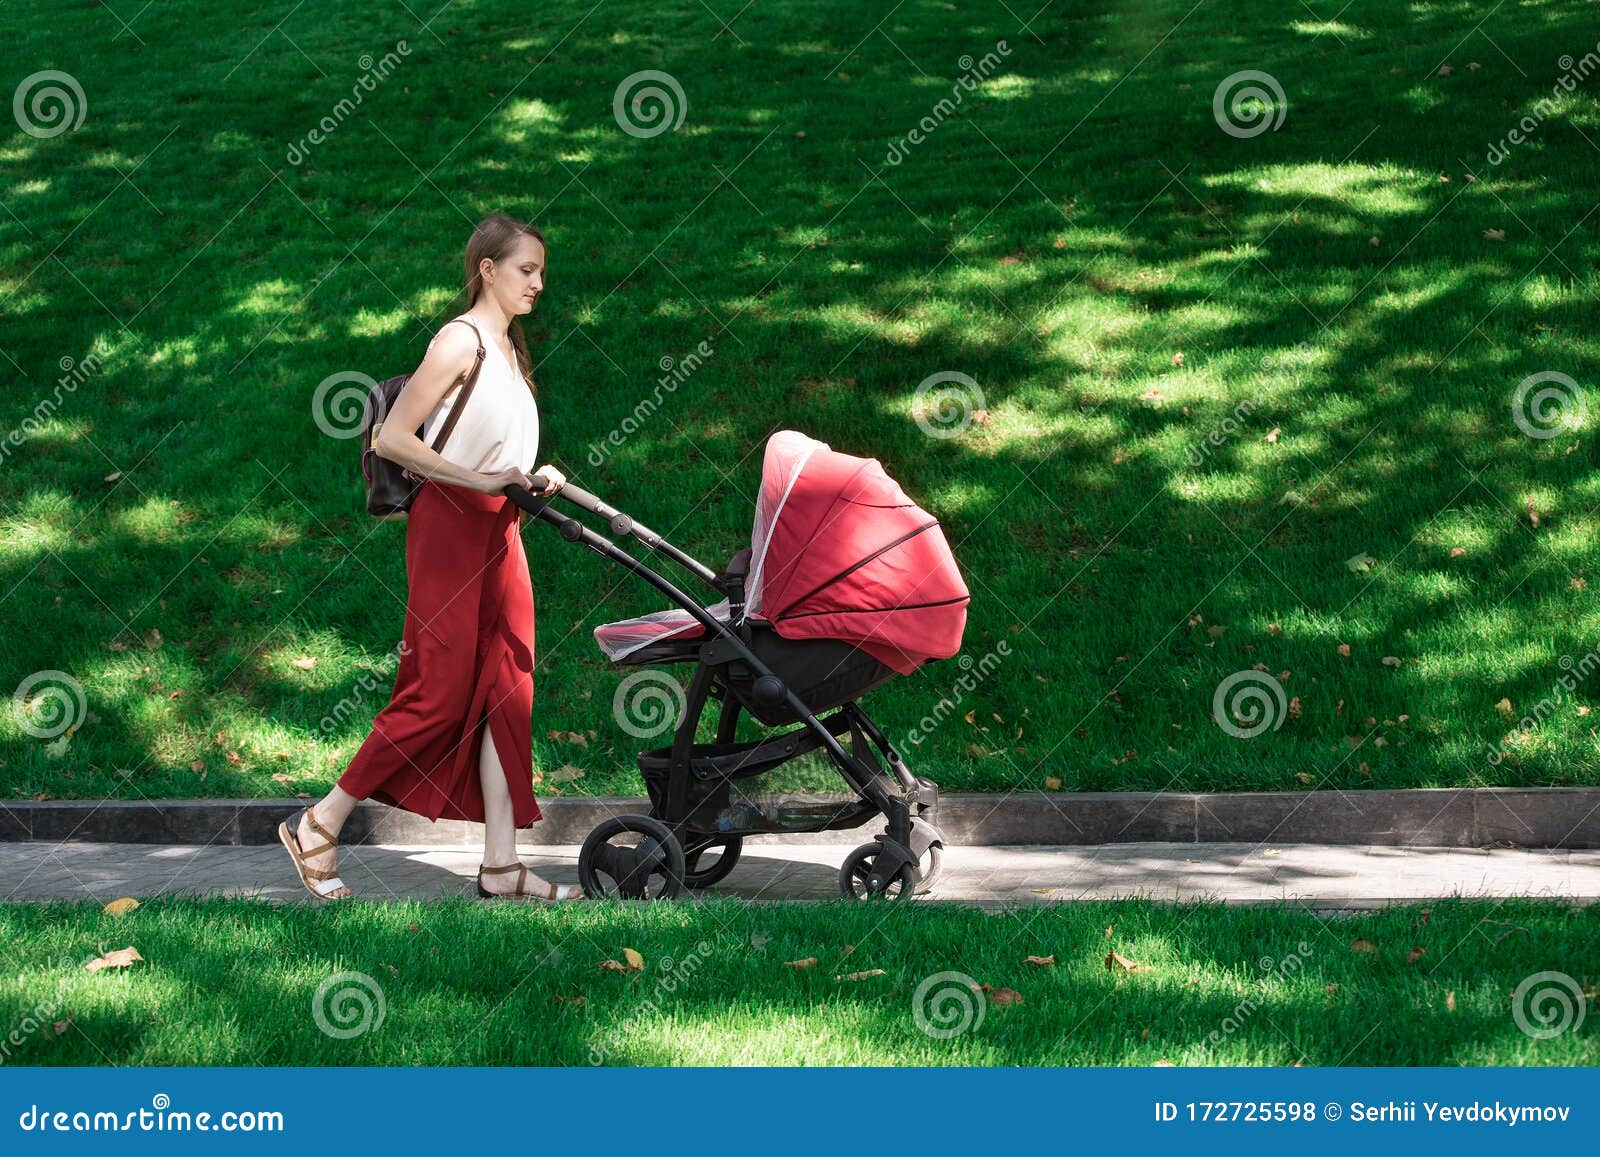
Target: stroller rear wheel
(855,876)
(631,858)
(695,874)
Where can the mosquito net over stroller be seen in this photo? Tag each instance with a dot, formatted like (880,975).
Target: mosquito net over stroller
(838,552)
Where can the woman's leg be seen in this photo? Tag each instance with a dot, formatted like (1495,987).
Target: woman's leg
(334,808)
(499,834)
(499,830)
(330,811)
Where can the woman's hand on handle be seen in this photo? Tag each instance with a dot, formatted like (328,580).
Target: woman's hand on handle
(556,479)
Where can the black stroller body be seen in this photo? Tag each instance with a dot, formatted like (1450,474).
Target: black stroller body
(786,666)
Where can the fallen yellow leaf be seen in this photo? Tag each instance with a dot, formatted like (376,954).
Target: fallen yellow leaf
(634,962)
(120,958)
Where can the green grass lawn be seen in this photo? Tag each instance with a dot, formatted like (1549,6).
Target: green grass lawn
(234,982)
(1245,399)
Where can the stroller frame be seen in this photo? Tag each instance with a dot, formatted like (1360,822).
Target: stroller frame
(890,865)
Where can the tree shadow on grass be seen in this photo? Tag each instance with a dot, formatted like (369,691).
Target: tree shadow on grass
(830,285)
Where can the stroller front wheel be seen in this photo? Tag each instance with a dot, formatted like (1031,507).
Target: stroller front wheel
(855,877)
(631,858)
(929,868)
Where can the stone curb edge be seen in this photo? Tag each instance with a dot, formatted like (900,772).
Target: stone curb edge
(1558,817)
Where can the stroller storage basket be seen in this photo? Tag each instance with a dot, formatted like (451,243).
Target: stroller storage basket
(729,791)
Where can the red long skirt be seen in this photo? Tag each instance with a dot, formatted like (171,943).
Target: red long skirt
(467,655)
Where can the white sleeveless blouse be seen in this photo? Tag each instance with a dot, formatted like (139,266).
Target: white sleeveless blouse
(499,428)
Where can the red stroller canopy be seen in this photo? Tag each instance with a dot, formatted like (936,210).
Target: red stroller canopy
(840,552)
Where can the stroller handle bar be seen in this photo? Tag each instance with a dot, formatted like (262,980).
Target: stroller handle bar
(571,493)
(620,524)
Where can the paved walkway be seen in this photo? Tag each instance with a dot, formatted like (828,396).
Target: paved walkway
(1320,876)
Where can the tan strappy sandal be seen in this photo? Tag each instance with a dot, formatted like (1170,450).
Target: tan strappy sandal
(321,883)
(554,892)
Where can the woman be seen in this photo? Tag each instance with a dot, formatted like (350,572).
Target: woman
(467,655)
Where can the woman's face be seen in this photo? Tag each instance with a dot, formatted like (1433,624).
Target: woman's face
(519,278)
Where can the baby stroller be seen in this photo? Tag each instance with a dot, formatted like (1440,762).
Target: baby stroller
(845,584)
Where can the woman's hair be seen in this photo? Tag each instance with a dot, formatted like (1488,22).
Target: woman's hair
(496,237)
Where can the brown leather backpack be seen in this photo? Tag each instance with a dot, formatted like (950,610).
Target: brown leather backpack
(391,488)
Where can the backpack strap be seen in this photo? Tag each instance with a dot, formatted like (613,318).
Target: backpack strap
(443,435)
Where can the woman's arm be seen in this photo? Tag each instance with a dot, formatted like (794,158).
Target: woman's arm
(447,361)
